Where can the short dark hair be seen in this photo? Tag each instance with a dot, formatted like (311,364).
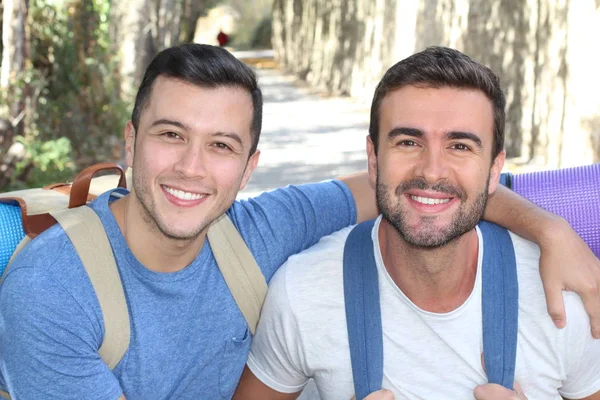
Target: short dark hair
(438,67)
(205,66)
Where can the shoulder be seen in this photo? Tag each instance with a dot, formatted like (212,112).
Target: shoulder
(44,251)
(314,275)
(285,221)
(47,269)
(328,250)
(532,301)
(526,251)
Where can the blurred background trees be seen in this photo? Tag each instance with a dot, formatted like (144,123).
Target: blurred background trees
(70,69)
(539,48)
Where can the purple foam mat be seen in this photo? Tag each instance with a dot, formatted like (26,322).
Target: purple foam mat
(573,193)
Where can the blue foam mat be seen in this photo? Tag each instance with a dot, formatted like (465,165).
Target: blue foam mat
(11,231)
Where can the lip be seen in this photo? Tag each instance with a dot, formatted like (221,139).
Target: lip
(181,202)
(429,194)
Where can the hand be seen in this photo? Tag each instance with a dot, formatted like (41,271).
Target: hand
(382,394)
(491,391)
(567,263)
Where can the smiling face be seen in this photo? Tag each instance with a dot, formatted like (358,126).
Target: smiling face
(433,169)
(190,156)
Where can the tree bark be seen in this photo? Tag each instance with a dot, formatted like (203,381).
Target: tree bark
(15,53)
(145,27)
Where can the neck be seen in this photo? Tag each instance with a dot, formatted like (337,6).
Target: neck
(436,280)
(148,244)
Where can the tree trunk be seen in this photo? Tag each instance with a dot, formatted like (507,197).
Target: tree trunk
(131,31)
(143,28)
(15,53)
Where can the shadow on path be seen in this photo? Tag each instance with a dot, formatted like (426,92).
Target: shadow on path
(306,137)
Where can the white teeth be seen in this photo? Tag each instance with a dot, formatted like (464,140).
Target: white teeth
(180,194)
(429,201)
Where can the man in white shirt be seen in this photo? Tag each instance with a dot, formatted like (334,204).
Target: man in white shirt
(435,151)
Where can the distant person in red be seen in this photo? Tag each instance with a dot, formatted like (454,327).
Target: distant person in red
(222,38)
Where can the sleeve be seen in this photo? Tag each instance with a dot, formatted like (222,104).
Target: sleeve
(48,344)
(581,352)
(277,355)
(285,221)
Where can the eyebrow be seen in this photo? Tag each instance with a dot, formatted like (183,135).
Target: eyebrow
(452,135)
(414,132)
(166,121)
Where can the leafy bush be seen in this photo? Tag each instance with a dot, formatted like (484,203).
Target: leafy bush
(74,112)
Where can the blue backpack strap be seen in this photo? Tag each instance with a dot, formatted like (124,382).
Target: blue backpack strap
(506,179)
(363,311)
(500,305)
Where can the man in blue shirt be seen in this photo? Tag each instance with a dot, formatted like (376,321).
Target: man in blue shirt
(192,143)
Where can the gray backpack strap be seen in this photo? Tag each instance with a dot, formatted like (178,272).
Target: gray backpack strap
(242,274)
(86,232)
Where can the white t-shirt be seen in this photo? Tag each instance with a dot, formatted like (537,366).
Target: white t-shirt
(302,334)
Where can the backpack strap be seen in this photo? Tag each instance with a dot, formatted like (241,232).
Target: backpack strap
(242,274)
(85,230)
(500,304)
(24,242)
(363,310)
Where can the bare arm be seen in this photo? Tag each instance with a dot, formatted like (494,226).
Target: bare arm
(566,262)
(364,195)
(251,388)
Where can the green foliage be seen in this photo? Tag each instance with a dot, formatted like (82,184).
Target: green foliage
(261,38)
(74,109)
(47,162)
(254,25)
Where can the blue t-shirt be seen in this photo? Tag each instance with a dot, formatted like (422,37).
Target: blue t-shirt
(188,338)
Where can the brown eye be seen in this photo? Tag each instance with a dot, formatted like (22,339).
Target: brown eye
(461,147)
(222,146)
(408,143)
(172,135)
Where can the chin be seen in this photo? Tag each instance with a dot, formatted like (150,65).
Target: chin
(177,231)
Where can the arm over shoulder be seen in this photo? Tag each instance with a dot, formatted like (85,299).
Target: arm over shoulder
(285,221)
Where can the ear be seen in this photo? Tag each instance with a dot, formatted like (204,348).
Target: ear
(252,163)
(495,171)
(372,161)
(129,143)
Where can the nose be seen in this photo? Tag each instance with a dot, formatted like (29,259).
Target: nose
(432,165)
(192,163)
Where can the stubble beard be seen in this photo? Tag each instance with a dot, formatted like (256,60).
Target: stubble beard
(150,215)
(428,236)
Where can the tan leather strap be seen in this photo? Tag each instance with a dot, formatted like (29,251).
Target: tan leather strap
(5,395)
(241,273)
(84,228)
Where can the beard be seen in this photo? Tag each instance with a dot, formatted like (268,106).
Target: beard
(427,235)
(150,215)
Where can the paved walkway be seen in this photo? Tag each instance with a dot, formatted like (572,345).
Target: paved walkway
(306,137)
